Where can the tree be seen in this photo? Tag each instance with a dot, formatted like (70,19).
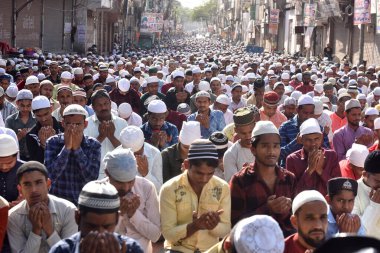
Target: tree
(205,12)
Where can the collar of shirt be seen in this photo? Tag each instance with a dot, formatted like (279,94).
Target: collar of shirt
(97,121)
(18,115)
(150,130)
(251,171)
(330,217)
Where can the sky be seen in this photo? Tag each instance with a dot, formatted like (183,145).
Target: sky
(191,3)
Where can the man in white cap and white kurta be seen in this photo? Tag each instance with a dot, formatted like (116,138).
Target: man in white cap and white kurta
(139,213)
(310,219)
(148,157)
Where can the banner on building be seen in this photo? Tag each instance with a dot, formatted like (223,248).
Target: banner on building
(274,16)
(362,12)
(309,14)
(328,8)
(274,19)
(152,22)
(378,17)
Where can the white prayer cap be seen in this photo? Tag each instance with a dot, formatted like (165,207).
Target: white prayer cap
(120,62)
(31,80)
(324,99)
(132,137)
(305,100)
(110,79)
(78,71)
(361,96)
(99,196)
(3,62)
(299,76)
(137,69)
(152,79)
(296,94)
(251,75)
(352,73)
(357,155)
(285,75)
(215,79)
(40,102)
(123,84)
(305,197)
(24,94)
(157,106)
(352,103)
(75,109)
(258,234)
(196,70)
(371,111)
(12,91)
(271,72)
(41,76)
(190,131)
(314,78)
(223,99)
(290,101)
(66,75)
(318,106)
(376,91)
(377,124)
(178,74)
(230,78)
(8,145)
(264,127)
(204,86)
(310,126)
(244,79)
(318,88)
(121,164)
(125,110)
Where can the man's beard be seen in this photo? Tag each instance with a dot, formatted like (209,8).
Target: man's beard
(310,241)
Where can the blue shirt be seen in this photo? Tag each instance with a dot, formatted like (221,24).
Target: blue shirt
(217,123)
(71,244)
(70,170)
(170,129)
(332,228)
(288,133)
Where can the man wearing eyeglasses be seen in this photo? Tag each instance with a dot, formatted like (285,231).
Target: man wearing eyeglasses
(72,158)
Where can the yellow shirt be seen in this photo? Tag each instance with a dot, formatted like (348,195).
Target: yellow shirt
(177,203)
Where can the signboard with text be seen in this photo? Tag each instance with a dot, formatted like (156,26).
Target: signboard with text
(362,12)
(152,22)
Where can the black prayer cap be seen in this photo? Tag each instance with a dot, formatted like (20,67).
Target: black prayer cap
(372,162)
(335,185)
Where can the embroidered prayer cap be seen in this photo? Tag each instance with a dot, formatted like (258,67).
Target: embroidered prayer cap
(243,116)
(337,184)
(190,132)
(220,140)
(202,149)
(271,98)
(305,100)
(357,155)
(310,126)
(40,102)
(372,162)
(99,197)
(371,111)
(184,109)
(352,103)
(223,99)
(290,101)
(31,80)
(24,95)
(264,127)
(157,106)
(8,145)
(305,197)
(132,137)
(258,234)
(75,109)
(121,164)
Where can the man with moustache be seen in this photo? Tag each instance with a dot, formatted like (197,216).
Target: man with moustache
(41,220)
(263,187)
(310,219)
(65,98)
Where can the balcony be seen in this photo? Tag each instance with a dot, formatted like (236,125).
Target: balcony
(100,4)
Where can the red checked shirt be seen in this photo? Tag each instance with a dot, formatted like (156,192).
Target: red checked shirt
(297,163)
(249,195)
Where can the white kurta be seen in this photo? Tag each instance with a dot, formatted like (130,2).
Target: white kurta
(234,159)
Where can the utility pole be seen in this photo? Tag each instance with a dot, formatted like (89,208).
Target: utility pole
(361,43)
(124,15)
(14,18)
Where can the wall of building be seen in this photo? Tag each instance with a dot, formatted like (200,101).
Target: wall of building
(5,21)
